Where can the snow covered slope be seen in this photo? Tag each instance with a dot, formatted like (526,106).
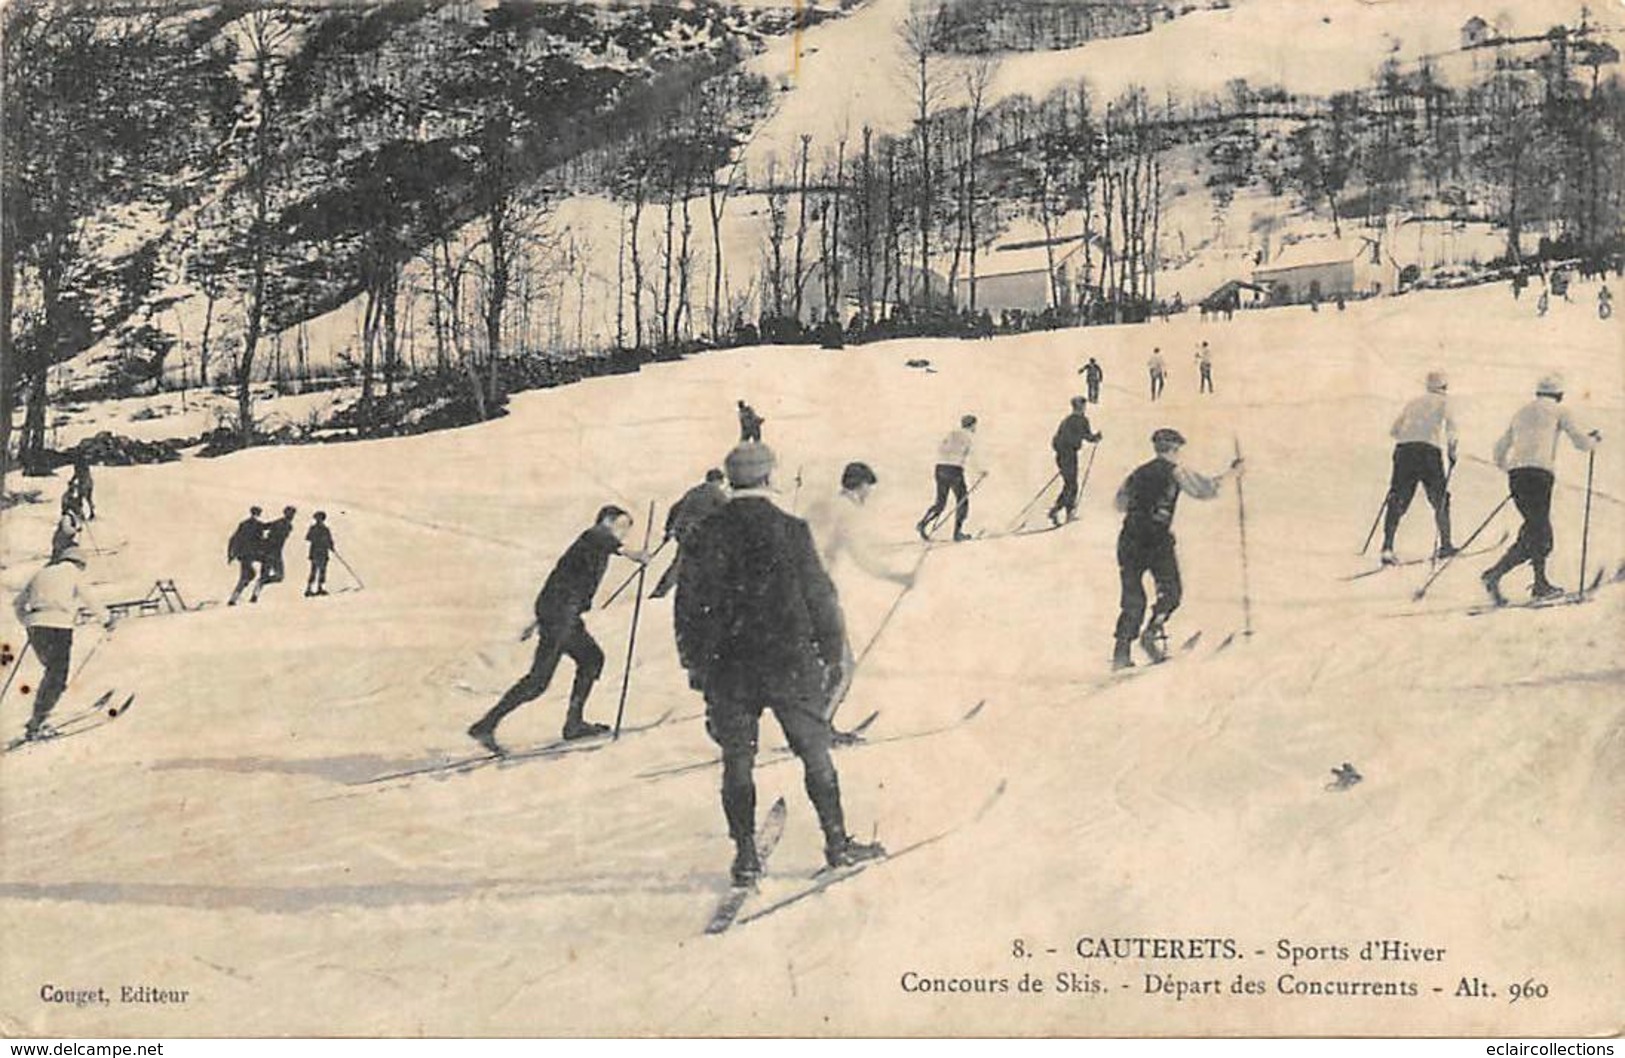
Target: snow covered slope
(215,838)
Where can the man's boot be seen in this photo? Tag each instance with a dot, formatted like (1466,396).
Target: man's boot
(1543,589)
(1121,659)
(739,807)
(747,865)
(1491,579)
(1154,640)
(574,726)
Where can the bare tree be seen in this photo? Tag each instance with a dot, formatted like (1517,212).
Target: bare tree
(266,34)
(978,78)
(916,37)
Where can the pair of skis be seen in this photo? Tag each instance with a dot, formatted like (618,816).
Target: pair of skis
(97,714)
(1464,553)
(555,748)
(730,910)
(854,736)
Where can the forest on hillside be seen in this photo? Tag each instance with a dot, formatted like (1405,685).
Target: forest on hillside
(268,162)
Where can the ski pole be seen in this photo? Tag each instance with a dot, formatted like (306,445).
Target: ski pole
(1241,518)
(349,568)
(1438,538)
(963,502)
(892,611)
(1423,590)
(630,577)
(1021,515)
(637,608)
(104,637)
(1083,482)
(1383,509)
(1585,532)
(21,653)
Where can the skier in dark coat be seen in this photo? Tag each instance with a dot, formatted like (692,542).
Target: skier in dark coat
(272,569)
(1146,543)
(244,548)
(83,488)
(696,506)
(320,538)
(567,594)
(1092,377)
(759,626)
(750,424)
(1069,437)
(68,526)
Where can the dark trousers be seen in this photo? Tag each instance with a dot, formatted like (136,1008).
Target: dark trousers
(1416,463)
(1532,495)
(54,648)
(1094,391)
(950,479)
(1135,558)
(1156,384)
(554,640)
(733,720)
(1067,463)
(750,432)
(1206,384)
(271,570)
(318,573)
(245,576)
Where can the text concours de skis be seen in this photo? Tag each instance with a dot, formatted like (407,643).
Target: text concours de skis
(1295,982)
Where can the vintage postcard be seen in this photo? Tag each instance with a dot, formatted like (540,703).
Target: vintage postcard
(849,517)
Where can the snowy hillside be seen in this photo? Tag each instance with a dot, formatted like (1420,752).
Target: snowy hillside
(220,838)
(851,72)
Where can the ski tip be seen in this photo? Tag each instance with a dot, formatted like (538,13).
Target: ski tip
(122,708)
(974,710)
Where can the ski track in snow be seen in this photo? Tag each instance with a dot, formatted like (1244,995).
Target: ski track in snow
(1191,798)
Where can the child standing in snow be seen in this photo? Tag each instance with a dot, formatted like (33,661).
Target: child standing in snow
(320,538)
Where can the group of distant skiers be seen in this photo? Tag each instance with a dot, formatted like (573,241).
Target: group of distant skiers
(1156,367)
(256,547)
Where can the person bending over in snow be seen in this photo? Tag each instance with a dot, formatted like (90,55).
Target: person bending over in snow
(567,594)
(846,534)
(244,548)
